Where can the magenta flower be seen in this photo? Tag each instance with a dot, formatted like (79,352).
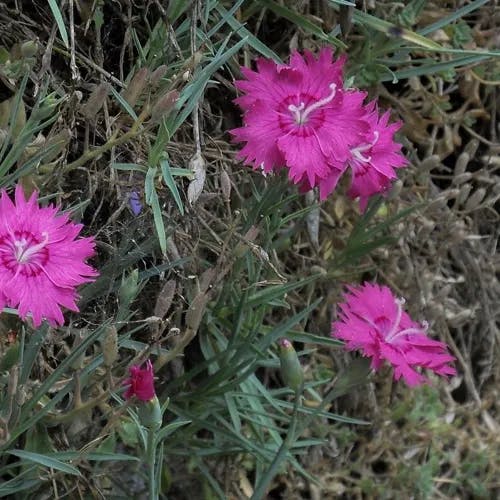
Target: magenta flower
(372,320)
(298,116)
(373,161)
(41,261)
(140,383)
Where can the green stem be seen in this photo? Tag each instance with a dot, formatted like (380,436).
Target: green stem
(151,460)
(287,443)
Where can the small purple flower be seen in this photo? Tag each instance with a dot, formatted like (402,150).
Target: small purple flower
(135,203)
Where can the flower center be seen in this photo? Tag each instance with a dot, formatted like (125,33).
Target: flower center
(23,251)
(300,113)
(395,331)
(358,151)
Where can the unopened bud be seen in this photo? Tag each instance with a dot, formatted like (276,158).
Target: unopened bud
(109,346)
(291,370)
(150,414)
(136,86)
(95,101)
(164,105)
(129,288)
(29,49)
(158,74)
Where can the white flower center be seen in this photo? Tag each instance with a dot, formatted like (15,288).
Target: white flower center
(358,151)
(23,251)
(300,113)
(394,332)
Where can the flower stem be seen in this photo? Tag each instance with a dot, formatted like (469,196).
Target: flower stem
(151,461)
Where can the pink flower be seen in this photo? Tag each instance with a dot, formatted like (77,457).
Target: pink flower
(141,383)
(374,160)
(372,320)
(41,261)
(298,116)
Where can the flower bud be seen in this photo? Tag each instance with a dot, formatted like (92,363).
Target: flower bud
(150,414)
(29,48)
(140,383)
(164,105)
(95,101)
(129,288)
(136,86)
(158,74)
(291,370)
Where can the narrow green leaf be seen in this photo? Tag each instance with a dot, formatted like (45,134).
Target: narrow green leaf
(46,461)
(158,218)
(124,104)
(392,30)
(56,12)
(170,183)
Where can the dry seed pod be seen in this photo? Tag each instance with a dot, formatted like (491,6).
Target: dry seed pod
(471,147)
(461,164)
(225,184)
(461,178)
(164,299)
(464,194)
(109,346)
(430,163)
(195,188)
(476,198)
(312,219)
(195,312)
(95,101)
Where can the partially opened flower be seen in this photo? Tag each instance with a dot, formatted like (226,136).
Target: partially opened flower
(372,320)
(140,383)
(298,116)
(41,260)
(374,160)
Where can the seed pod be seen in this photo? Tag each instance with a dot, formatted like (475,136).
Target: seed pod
(461,178)
(471,147)
(195,188)
(476,198)
(95,101)
(291,369)
(164,299)
(430,163)
(464,194)
(29,48)
(196,311)
(225,184)
(461,163)
(109,346)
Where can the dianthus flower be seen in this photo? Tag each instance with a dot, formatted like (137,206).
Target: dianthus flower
(300,117)
(372,320)
(41,261)
(373,161)
(140,383)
